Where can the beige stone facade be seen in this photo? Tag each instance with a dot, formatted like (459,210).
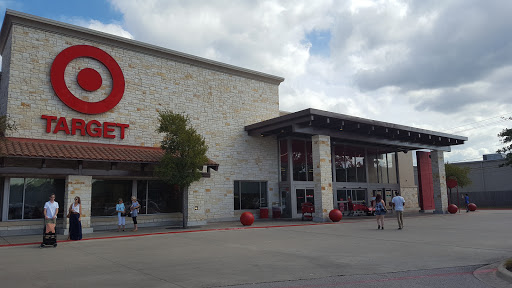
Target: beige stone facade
(322,172)
(80,186)
(219,99)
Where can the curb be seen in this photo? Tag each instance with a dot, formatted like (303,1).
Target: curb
(175,232)
(503,272)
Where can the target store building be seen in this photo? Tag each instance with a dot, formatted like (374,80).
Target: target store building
(85,105)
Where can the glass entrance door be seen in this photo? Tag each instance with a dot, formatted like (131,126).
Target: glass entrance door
(303,195)
(346,198)
(286,203)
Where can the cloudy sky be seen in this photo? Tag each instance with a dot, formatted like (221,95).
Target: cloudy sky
(437,65)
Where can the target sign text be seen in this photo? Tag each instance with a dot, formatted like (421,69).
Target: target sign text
(89,80)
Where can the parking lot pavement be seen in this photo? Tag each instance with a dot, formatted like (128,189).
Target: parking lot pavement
(226,254)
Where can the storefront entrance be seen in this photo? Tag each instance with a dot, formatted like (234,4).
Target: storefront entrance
(291,201)
(303,195)
(343,196)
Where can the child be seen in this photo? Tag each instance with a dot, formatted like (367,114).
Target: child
(121,211)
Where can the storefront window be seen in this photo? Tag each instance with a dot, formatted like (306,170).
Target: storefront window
(283,152)
(299,160)
(250,195)
(349,163)
(28,195)
(302,158)
(16,198)
(392,168)
(382,167)
(105,194)
(372,167)
(340,165)
(158,197)
(309,160)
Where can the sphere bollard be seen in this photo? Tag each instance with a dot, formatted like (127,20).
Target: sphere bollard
(452,208)
(472,206)
(335,215)
(247,218)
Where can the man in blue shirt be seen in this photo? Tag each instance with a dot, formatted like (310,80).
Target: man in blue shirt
(466,202)
(398,205)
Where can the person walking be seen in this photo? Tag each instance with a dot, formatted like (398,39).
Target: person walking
(380,211)
(75,222)
(51,209)
(134,208)
(466,202)
(121,213)
(398,204)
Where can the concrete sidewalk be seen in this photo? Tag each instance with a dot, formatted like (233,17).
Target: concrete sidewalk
(6,241)
(227,254)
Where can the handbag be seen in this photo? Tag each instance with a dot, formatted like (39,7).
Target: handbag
(382,208)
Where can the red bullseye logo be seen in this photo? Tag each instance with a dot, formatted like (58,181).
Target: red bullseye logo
(88,79)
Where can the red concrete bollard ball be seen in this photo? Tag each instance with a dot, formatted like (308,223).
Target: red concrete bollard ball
(472,206)
(335,215)
(452,208)
(247,218)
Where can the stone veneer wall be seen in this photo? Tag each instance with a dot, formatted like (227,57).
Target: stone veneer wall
(322,175)
(219,106)
(80,186)
(439,181)
(4,84)
(410,195)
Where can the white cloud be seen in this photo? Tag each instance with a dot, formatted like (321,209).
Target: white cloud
(428,64)
(110,28)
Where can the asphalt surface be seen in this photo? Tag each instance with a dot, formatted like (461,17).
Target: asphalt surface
(431,251)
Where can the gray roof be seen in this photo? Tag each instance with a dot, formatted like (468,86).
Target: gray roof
(350,129)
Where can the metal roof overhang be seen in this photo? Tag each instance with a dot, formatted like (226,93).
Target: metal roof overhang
(350,129)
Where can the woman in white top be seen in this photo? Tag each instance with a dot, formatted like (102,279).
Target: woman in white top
(75,224)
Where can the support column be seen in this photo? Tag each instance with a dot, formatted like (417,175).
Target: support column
(80,186)
(439,181)
(322,175)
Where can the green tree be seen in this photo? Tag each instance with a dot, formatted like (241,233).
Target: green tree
(458,173)
(506,136)
(5,125)
(185,154)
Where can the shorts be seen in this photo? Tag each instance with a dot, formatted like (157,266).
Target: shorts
(121,220)
(134,220)
(50,221)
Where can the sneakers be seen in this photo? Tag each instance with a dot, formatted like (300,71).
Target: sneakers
(378,227)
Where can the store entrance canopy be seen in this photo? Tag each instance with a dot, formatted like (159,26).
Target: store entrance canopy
(350,129)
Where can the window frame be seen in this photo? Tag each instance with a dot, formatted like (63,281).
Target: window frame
(263,190)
